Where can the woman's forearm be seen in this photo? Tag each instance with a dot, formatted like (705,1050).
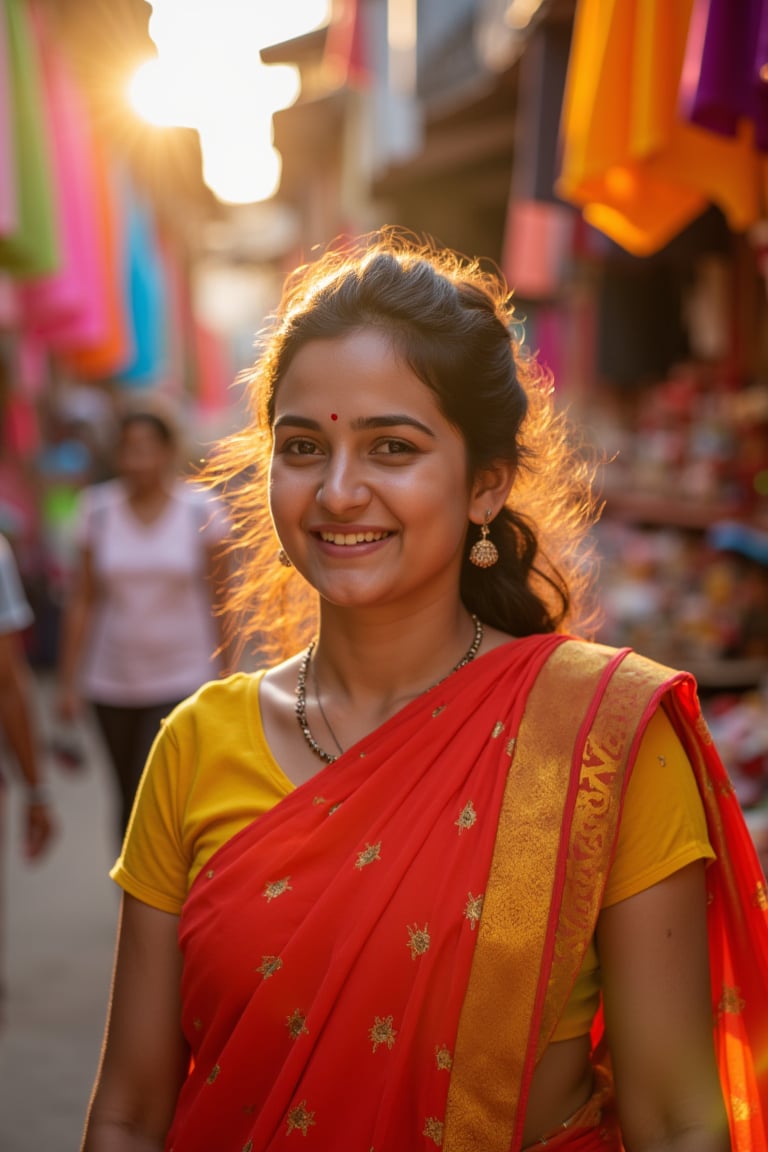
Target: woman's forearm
(17,723)
(694,1139)
(105,1135)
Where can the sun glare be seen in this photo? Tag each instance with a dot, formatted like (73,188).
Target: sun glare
(208,75)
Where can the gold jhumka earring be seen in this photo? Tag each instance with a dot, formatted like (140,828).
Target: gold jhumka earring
(484,553)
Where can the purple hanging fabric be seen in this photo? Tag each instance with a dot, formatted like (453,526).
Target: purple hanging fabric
(725,74)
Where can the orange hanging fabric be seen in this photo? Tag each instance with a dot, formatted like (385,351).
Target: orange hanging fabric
(640,172)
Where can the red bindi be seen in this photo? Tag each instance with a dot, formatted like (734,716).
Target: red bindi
(334,416)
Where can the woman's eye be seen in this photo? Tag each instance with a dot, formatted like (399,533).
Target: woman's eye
(300,448)
(393,448)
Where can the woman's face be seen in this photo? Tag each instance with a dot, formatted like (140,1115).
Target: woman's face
(369,490)
(143,456)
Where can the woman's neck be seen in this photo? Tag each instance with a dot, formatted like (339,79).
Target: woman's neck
(383,660)
(148,503)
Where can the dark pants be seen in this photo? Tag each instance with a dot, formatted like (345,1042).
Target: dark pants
(128,734)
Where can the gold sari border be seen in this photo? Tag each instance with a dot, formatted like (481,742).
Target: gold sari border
(578,732)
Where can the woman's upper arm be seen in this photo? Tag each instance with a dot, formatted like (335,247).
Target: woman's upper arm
(145,1057)
(658,1010)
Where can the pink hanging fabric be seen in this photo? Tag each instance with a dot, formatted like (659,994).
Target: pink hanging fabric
(537,246)
(9,303)
(67,307)
(177,313)
(105,357)
(8,199)
(215,371)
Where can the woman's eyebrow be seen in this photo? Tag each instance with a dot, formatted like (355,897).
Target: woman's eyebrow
(361,424)
(390,420)
(296,422)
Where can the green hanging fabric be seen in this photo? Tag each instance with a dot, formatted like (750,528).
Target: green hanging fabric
(32,249)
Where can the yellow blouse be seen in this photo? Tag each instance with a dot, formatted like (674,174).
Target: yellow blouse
(210,773)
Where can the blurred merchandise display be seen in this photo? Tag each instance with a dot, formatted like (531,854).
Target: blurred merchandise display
(689,450)
(683,547)
(677,596)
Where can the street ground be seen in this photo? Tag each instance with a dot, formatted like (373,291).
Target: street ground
(58,924)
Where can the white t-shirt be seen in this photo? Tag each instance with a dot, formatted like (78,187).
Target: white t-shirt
(15,612)
(153,635)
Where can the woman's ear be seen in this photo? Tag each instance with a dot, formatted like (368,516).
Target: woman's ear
(490,489)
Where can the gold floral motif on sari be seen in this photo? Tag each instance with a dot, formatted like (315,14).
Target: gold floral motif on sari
(433,1130)
(419,940)
(300,1119)
(269,965)
(473,909)
(731,1002)
(295,1023)
(467,817)
(369,854)
(275,888)
(383,1032)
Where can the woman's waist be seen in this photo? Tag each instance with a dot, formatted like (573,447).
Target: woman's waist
(591,1123)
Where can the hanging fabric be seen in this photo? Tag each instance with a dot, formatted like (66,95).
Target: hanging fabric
(725,74)
(9,208)
(66,307)
(146,293)
(638,171)
(32,248)
(115,349)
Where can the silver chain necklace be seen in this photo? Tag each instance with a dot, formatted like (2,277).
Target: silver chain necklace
(301,692)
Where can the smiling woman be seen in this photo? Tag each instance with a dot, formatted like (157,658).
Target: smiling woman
(439,875)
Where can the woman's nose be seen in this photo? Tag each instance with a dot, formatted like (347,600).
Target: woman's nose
(342,485)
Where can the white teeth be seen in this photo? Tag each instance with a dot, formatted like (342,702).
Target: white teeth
(343,538)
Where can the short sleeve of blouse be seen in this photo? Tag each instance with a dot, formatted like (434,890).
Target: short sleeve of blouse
(90,503)
(663,825)
(153,864)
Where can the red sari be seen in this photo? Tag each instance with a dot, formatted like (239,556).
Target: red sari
(378,962)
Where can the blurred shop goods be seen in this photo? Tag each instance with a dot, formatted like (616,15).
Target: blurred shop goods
(668,593)
(689,449)
(684,535)
(75,452)
(739,726)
